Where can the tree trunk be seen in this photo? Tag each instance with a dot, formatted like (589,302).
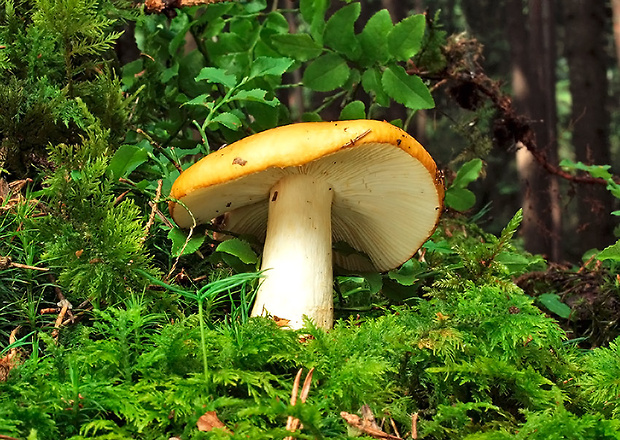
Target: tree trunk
(532,40)
(587,62)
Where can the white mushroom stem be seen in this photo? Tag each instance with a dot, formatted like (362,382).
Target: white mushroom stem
(297,257)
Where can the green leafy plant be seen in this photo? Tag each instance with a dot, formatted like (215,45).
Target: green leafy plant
(599,383)
(209,293)
(93,238)
(457,195)
(610,253)
(55,79)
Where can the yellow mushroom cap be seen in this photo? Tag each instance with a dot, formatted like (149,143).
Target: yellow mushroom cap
(388,192)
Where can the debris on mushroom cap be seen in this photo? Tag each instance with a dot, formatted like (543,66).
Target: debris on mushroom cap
(388,192)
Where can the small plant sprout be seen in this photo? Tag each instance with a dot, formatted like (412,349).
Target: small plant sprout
(207,293)
(302,188)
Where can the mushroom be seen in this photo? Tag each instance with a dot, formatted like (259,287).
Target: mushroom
(304,187)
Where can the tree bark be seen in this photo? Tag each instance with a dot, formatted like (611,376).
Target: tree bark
(587,62)
(532,40)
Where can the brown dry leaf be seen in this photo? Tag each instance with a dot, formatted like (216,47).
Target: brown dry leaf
(5,262)
(368,418)
(4,190)
(209,420)
(305,338)
(10,359)
(6,365)
(10,193)
(281,321)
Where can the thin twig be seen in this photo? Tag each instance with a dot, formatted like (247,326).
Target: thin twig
(161,149)
(6,262)
(394,427)
(154,209)
(118,199)
(161,216)
(65,306)
(59,320)
(519,127)
(25,266)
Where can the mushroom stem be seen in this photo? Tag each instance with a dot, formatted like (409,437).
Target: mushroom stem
(297,255)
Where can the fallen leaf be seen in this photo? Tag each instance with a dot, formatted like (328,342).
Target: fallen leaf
(4,190)
(208,421)
(11,359)
(281,321)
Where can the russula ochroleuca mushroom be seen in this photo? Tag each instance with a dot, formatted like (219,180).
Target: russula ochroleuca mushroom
(303,187)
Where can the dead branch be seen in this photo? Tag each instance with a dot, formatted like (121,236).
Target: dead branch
(159,6)
(467,83)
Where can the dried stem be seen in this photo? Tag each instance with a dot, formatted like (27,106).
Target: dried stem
(65,308)
(154,209)
(292,423)
(414,425)
(6,262)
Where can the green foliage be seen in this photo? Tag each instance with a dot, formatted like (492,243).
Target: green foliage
(50,88)
(553,303)
(473,356)
(610,253)
(438,357)
(79,28)
(485,256)
(22,291)
(94,240)
(596,171)
(231,84)
(457,195)
(557,423)
(600,382)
